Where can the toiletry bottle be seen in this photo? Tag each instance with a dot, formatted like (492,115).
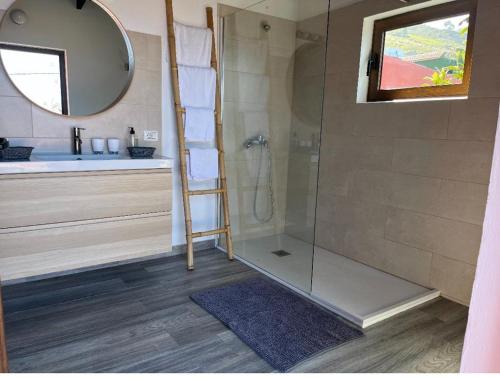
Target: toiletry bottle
(133,142)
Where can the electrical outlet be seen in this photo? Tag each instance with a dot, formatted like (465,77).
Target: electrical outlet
(151,135)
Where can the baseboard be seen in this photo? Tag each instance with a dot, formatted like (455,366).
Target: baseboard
(176,250)
(197,246)
(455,300)
(85,269)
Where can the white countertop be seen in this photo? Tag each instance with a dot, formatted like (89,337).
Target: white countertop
(44,163)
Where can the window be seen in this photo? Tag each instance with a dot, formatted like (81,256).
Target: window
(38,73)
(422,54)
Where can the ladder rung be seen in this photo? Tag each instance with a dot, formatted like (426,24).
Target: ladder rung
(206,192)
(183,110)
(187,152)
(209,233)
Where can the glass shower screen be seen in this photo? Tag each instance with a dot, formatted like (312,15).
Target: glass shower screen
(273,60)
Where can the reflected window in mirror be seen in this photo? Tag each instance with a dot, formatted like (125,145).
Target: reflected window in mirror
(39,73)
(98,59)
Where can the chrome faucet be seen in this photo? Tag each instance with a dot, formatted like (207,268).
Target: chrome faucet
(77,141)
(259,140)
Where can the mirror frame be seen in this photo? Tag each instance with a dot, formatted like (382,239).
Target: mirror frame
(131,58)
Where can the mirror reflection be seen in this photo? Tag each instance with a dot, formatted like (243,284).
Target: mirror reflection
(79,72)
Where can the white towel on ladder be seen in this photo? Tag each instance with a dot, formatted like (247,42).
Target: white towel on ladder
(193,45)
(203,164)
(199,125)
(197,87)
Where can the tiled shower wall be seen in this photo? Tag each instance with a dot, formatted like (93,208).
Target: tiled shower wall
(308,88)
(258,85)
(403,186)
(28,125)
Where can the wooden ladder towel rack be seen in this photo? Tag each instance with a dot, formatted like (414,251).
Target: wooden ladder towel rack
(4,362)
(183,152)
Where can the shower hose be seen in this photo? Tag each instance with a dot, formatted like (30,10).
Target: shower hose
(270,215)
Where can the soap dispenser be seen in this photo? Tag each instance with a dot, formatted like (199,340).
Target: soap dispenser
(133,141)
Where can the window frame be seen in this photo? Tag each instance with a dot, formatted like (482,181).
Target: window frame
(61,54)
(433,13)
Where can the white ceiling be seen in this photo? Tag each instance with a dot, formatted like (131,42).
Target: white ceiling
(295,10)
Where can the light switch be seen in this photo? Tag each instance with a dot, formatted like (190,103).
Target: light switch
(151,135)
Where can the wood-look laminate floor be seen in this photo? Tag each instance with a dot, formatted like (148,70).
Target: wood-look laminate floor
(139,318)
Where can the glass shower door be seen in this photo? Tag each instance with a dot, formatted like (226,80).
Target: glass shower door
(273,79)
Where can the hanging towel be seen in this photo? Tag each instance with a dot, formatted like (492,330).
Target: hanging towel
(197,87)
(199,125)
(193,45)
(203,164)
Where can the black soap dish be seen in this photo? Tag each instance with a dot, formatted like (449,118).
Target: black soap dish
(10,154)
(141,152)
(4,143)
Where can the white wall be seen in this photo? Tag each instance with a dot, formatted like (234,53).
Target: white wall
(482,341)
(149,16)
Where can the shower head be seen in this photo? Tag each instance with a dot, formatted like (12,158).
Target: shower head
(266,26)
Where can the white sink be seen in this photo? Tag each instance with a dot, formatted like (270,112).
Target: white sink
(70,157)
(44,163)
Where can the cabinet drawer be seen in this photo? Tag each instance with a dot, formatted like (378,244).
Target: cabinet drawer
(28,200)
(28,252)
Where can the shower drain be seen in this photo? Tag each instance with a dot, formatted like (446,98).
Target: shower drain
(281,253)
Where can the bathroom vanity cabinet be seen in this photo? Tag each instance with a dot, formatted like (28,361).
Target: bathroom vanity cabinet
(62,221)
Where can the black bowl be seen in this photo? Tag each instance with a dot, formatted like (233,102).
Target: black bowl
(21,153)
(141,152)
(4,143)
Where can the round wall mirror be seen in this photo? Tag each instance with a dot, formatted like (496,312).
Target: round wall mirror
(69,57)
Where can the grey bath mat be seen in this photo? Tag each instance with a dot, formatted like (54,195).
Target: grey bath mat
(281,326)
